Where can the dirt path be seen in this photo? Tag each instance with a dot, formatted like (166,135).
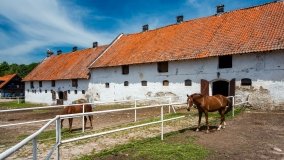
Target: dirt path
(253,135)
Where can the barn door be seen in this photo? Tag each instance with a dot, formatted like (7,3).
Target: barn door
(204,87)
(65,95)
(53,95)
(232,87)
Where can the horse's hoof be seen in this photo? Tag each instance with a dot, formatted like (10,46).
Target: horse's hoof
(197,130)
(223,127)
(207,131)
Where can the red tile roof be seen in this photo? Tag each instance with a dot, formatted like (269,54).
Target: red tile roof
(72,65)
(5,79)
(255,29)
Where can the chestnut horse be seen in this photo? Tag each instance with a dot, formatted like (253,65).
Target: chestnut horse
(206,104)
(77,109)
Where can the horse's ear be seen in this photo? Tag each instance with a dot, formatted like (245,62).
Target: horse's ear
(187,95)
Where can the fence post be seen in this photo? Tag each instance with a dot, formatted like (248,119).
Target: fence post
(233,105)
(170,102)
(162,123)
(34,149)
(83,119)
(58,136)
(135,111)
(18,100)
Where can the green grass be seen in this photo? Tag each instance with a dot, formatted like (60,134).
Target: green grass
(15,105)
(174,146)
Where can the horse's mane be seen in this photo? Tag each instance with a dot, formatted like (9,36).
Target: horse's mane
(197,94)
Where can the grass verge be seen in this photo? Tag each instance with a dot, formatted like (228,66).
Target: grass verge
(15,105)
(174,146)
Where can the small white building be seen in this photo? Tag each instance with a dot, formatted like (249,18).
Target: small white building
(61,78)
(239,52)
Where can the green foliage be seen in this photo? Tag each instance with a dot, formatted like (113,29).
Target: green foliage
(22,70)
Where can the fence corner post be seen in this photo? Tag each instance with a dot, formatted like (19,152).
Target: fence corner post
(58,137)
(135,110)
(83,119)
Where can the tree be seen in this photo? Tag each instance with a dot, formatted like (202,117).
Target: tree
(4,68)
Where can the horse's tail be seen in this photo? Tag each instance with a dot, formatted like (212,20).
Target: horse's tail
(230,105)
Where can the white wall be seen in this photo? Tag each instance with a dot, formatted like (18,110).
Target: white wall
(265,69)
(61,85)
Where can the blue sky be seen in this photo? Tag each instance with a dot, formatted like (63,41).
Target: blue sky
(29,27)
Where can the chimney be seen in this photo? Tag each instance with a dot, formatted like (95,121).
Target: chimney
(179,19)
(49,53)
(74,49)
(145,27)
(59,52)
(95,44)
(220,9)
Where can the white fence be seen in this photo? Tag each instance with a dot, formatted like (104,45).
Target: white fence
(59,142)
(57,121)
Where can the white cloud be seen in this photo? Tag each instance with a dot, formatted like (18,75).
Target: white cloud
(41,23)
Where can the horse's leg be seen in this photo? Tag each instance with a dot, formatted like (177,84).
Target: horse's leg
(206,117)
(70,124)
(221,112)
(199,120)
(62,123)
(224,123)
(85,121)
(91,118)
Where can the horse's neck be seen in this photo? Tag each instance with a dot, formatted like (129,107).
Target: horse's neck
(199,100)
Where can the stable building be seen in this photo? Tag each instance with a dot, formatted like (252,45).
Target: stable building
(11,86)
(61,78)
(239,52)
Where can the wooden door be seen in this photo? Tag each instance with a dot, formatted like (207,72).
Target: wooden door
(204,87)
(232,87)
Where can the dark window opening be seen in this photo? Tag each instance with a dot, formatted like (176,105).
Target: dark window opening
(68,91)
(165,83)
(246,82)
(45,91)
(28,90)
(40,91)
(125,83)
(163,67)
(75,91)
(83,91)
(225,61)
(52,83)
(74,82)
(187,82)
(40,83)
(107,85)
(32,84)
(60,95)
(125,69)
(144,83)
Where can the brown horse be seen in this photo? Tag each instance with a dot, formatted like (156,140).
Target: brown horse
(206,104)
(77,109)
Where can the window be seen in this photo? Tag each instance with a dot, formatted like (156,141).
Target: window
(45,91)
(107,85)
(163,67)
(32,84)
(74,82)
(225,61)
(40,83)
(40,91)
(52,83)
(165,83)
(68,91)
(187,82)
(28,90)
(83,91)
(125,69)
(144,83)
(125,83)
(75,91)
(246,82)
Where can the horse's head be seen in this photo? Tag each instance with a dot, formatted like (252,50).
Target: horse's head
(189,102)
